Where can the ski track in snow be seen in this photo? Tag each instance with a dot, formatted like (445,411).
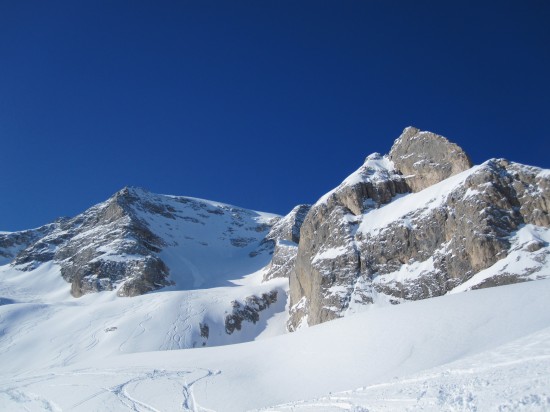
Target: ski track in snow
(511,372)
(141,329)
(507,378)
(126,391)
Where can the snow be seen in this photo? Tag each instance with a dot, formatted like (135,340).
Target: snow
(199,251)
(331,253)
(375,165)
(413,270)
(532,264)
(513,376)
(486,349)
(430,198)
(375,168)
(262,217)
(482,348)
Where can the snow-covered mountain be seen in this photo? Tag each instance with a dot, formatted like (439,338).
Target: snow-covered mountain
(137,242)
(195,251)
(94,302)
(418,223)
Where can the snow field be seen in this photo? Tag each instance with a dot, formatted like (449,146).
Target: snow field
(449,347)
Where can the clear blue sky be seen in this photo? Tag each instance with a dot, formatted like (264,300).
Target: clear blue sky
(262,104)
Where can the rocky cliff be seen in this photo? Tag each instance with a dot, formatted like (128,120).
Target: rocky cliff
(284,238)
(137,241)
(418,223)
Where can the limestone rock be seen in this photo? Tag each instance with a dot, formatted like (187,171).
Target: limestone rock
(285,236)
(425,158)
(327,254)
(463,229)
(249,311)
(119,244)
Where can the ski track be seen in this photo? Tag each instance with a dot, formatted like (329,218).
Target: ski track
(19,393)
(177,338)
(189,402)
(141,329)
(481,382)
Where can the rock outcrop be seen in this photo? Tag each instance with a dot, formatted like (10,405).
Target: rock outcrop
(285,236)
(425,158)
(248,311)
(369,241)
(123,243)
(416,223)
(11,244)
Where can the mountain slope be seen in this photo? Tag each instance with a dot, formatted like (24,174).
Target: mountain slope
(205,259)
(138,241)
(111,302)
(384,235)
(463,344)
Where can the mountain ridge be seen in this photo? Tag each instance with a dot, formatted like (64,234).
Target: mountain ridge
(412,224)
(108,301)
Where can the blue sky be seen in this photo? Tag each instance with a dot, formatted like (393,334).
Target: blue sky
(260,104)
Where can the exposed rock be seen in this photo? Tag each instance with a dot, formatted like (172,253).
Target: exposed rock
(205,330)
(355,250)
(117,244)
(288,228)
(11,244)
(372,185)
(248,311)
(283,260)
(330,226)
(285,235)
(425,158)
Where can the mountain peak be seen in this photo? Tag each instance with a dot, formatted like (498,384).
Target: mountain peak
(426,158)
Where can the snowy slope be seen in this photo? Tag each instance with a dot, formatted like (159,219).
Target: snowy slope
(103,324)
(514,376)
(155,302)
(458,351)
(138,241)
(367,241)
(215,257)
(207,243)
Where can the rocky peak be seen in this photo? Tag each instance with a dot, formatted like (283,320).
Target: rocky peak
(462,227)
(375,183)
(425,158)
(138,241)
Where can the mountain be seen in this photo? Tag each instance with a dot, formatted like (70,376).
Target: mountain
(418,223)
(97,300)
(137,242)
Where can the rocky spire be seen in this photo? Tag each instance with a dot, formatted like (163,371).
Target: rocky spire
(360,245)
(425,158)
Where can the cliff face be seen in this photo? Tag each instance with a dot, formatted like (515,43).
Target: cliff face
(416,223)
(285,236)
(419,223)
(425,158)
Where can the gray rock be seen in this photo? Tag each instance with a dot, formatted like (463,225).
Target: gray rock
(11,244)
(425,158)
(285,236)
(339,265)
(112,245)
(249,311)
